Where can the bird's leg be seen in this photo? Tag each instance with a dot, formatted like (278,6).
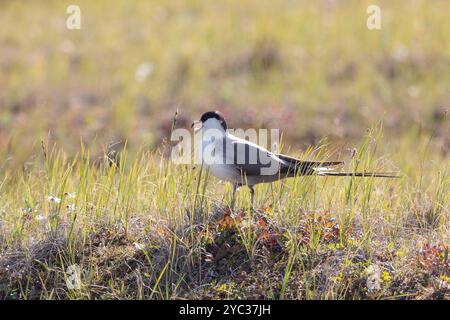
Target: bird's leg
(233,197)
(252,197)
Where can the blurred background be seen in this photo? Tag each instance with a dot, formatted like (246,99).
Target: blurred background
(311,68)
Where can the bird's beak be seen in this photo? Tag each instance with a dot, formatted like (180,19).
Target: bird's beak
(196,126)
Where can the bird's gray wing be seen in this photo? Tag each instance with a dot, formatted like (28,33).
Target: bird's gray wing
(250,159)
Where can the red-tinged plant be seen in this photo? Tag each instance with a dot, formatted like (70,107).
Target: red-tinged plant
(267,235)
(324,224)
(230,222)
(434,258)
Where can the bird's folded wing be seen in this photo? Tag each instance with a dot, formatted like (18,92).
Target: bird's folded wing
(250,159)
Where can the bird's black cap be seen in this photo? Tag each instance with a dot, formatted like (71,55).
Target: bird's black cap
(216,115)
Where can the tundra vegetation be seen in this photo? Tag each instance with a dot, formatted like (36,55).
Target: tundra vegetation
(86,179)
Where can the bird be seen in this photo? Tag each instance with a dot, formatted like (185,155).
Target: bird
(242,162)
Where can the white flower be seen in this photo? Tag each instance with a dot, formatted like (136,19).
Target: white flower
(143,71)
(413,91)
(373,278)
(54,199)
(41,217)
(69,195)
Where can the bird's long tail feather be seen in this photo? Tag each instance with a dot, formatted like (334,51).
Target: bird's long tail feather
(358,174)
(295,167)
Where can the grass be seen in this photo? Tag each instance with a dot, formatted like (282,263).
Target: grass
(145,228)
(84,142)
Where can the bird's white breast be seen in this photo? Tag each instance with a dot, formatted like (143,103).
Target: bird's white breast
(224,172)
(215,162)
